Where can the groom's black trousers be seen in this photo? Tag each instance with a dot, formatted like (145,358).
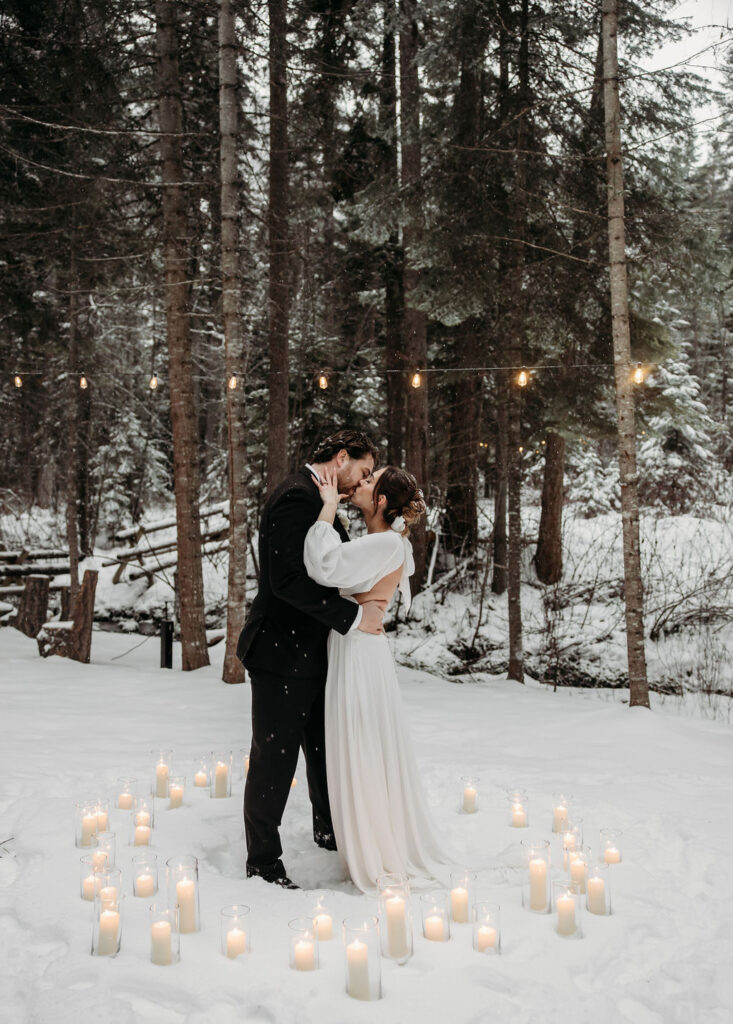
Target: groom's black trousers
(287,714)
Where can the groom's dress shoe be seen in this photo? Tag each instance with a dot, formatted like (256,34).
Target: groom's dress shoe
(326,840)
(274,879)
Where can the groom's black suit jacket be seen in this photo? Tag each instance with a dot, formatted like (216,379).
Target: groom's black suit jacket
(287,626)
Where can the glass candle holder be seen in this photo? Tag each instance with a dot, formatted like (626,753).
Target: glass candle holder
(435,908)
(142,820)
(145,875)
(221,774)
(165,936)
(598,889)
(160,773)
(395,919)
(560,812)
(243,762)
(317,900)
(176,790)
(101,809)
(536,886)
(462,884)
(468,802)
(303,944)
(201,774)
(570,840)
(90,881)
(487,927)
(361,960)
(568,903)
(126,791)
(578,867)
(99,859)
(611,845)
(107,846)
(182,874)
(110,887)
(518,809)
(107,927)
(235,931)
(85,830)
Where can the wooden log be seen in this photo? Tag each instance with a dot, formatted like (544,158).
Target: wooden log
(65,609)
(33,607)
(72,639)
(32,569)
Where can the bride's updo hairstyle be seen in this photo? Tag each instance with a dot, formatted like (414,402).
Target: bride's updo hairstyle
(404,497)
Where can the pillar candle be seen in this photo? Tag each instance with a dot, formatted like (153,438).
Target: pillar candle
(357,963)
(161,780)
(459,904)
(124,801)
(88,829)
(102,821)
(221,780)
(90,887)
(566,915)
(612,855)
(176,796)
(160,943)
(109,926)
(144,885)
(559,818)
(246,765)
(519,816)
(537,884)
(108,897)
(294,783)
(578,871)
(305,955)
(186,894)
(142,818)
(486,938)
(397,927)
(236,942)
(201,779)
(99,859)
(323,926)
(596,896)
(469,800)
(142,835)
(434,928)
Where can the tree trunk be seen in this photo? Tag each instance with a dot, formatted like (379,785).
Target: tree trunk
(548,557)
(461,513)
(414,320)
(392,273)
(72,462)
(279,286)
(634,598)
(33,607)
(180,364)
(233,670)
(499,577)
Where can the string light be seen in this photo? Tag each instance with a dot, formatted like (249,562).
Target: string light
(232,382)
(323,381)
(638,376)
(522,378)
(521,448)
(416,381)
(18,380)
(83,382)
(153,382)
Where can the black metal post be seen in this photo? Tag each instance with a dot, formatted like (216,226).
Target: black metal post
(166,644)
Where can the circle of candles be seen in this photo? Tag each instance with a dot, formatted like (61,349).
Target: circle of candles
(235,931)
(303,944)
(611,845)
(183,877)
(560,812)
(535,891)
(519,812)
(435,916)
(361,961)
(469,794)
(486,926)
(161,772)
(165,939)
(395,921)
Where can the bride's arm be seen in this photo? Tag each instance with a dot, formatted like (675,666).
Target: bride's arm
(332,563)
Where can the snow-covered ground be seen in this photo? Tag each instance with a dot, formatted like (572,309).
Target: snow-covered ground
(665,956)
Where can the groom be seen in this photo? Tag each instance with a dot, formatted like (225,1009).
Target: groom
(283,647)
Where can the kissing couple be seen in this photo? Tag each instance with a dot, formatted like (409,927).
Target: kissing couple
(322,673)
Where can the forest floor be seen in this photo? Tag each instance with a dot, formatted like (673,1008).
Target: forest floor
(663,957)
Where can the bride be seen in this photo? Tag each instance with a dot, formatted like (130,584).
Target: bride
(380,816)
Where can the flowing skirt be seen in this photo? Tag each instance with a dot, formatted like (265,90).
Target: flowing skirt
(380,816)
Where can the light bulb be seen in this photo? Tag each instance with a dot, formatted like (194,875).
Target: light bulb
(232,382)
(416,381)
(639,374)
(522,378)
(323,381)
(18,380)
(83,382)
(153,382)
(521,448)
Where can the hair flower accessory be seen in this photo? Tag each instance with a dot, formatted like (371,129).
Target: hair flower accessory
(398,524)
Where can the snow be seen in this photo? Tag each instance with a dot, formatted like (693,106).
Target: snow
(71,730)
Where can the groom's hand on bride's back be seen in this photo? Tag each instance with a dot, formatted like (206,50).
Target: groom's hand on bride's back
(371,617)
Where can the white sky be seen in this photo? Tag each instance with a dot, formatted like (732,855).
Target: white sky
(713,23)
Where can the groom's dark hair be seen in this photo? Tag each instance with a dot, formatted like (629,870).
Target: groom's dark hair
(356,443)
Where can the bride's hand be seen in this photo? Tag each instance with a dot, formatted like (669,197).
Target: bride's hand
(329,489)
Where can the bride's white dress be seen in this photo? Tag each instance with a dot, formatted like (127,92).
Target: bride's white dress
(380,817)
